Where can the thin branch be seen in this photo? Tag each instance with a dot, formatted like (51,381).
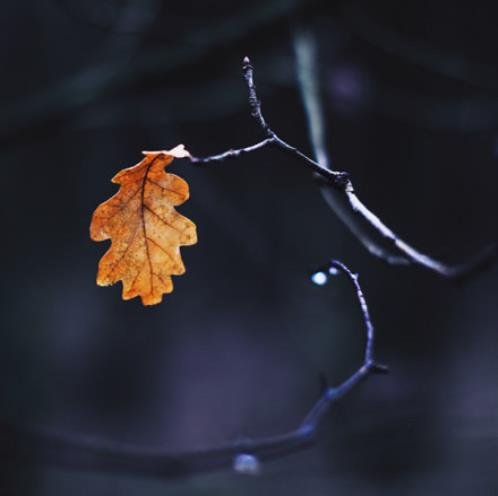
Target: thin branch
(367,227)
(336,187)
(369,365)
(73,451)
(339,179)
(232,153)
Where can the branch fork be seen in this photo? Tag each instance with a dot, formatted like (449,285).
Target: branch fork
(336,186)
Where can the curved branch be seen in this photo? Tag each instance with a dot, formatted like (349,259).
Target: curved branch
(336,187)
(83,452)
(379,240)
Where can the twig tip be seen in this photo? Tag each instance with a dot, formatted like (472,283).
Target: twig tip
(379,368)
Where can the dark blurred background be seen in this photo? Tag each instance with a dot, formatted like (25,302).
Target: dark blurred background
(411,99)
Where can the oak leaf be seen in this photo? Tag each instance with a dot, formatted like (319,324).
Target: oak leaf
(145,229)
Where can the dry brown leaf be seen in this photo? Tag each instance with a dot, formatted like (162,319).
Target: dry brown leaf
(145,229)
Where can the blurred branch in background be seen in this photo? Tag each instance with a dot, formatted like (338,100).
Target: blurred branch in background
(470,111)
(113,16)
(336,187)
(130,25)
(455,66)
(72,451)
(78,90)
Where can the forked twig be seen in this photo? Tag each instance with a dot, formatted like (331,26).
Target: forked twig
(336,186)
(338,179)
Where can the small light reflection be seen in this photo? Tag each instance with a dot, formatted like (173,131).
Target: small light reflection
(333,271)
(319,278)
(246,464)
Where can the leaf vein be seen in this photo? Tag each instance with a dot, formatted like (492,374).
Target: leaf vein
(155,214)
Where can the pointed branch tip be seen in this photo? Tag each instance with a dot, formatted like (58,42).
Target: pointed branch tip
(379,368)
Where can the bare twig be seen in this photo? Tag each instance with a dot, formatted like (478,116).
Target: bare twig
(336,187)
(339,179)
(369,365)
(232,153)
(363,223)
(73,451)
